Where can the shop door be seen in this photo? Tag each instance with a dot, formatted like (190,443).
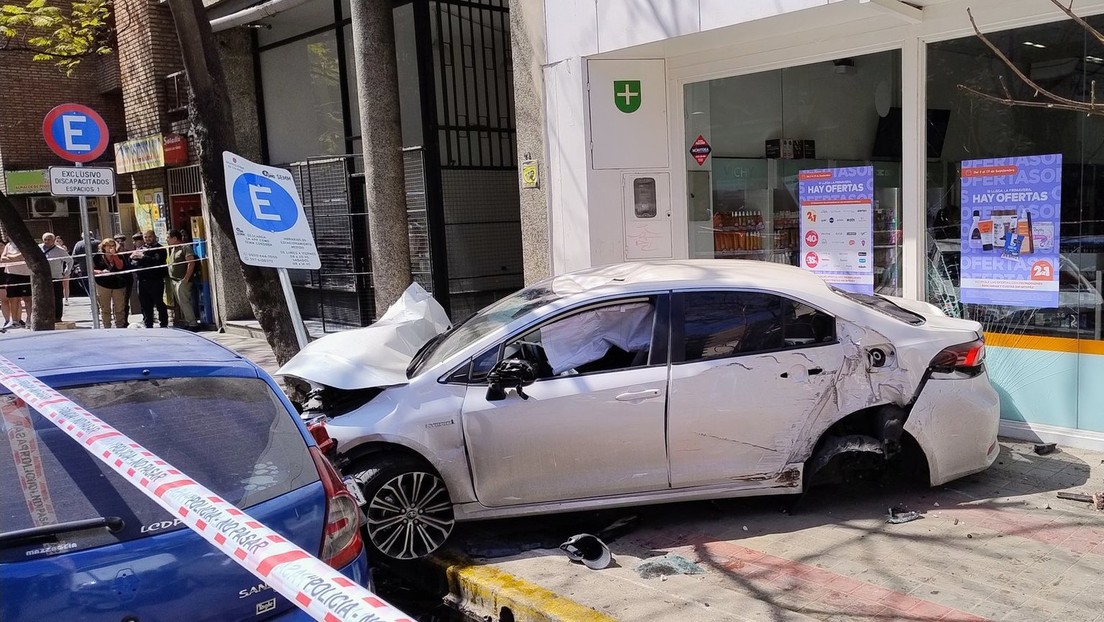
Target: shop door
(646,205)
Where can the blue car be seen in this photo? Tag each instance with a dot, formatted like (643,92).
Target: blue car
(77,542)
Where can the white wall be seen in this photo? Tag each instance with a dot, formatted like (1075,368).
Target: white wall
(584,27)
(568,161)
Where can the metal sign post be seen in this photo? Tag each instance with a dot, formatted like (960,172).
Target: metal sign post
(90,284)
(293,308)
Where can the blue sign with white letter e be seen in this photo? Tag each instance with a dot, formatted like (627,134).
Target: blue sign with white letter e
(264,203)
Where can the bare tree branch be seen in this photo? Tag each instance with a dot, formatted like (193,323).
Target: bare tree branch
(1076,107)
(1039,90)
(1080,22)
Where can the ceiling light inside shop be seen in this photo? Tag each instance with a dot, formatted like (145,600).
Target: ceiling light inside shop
(1034,45)
(1095,59)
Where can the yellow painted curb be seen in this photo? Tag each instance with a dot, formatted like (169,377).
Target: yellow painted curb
(486,591)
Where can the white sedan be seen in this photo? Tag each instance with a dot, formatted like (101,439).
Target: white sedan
(643,383)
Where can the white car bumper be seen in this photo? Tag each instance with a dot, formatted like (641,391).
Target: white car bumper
(955,422)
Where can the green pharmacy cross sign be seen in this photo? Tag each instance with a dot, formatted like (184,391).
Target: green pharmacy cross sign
(626,95)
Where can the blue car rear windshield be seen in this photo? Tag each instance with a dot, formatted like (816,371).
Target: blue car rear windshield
(230,434)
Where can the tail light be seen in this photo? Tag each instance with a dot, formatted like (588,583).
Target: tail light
(341,542)
(318,431)
(964,357)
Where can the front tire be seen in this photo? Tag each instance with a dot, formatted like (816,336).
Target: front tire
(408,512)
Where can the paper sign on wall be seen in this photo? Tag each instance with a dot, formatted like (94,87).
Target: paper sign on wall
(837,226)
(1011,215)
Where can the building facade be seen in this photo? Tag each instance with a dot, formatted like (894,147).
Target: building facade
(690,129)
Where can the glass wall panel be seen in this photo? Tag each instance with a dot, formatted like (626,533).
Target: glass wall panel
(756,133)
(302,99)
(1015,220)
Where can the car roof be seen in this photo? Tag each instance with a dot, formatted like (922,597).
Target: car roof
(687,273)
(74,350)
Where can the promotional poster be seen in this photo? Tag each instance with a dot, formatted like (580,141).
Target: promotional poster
(1011,215)
(837,226)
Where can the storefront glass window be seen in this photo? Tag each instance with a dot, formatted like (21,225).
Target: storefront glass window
(302,99)
(1015,213)
(750,138)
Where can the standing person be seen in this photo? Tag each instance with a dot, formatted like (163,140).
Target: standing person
(59,269)
(181,268)
(60,243)
(110,287)
(121,245)
(78,263)
(19,285)
(150,259)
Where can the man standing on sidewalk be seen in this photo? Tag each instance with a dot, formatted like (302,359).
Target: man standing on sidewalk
(60,264)
(150,259)
(181,268)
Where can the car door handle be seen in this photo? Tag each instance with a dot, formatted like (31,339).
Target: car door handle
(814,371)
(637,395)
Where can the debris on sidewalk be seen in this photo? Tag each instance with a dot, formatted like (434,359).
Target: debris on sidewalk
(898,515)
(1096,499)
(1045,448)
(585,548)
(666,566)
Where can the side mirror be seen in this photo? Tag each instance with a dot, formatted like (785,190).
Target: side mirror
(509,374)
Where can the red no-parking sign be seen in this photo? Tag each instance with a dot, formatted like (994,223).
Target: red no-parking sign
(75,133)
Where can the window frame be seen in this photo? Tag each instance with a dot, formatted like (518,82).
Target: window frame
(677,332)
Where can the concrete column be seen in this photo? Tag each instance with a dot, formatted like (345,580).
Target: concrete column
(527,41)
(381,135)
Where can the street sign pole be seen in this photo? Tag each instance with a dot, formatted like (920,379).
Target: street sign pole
(90,286)
(293,308)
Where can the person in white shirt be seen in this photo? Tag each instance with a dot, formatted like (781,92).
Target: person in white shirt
(19,285)
(60,265)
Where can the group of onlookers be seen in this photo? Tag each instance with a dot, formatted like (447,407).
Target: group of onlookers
(162,276)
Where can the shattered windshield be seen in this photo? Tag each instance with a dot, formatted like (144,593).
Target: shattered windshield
(486,321)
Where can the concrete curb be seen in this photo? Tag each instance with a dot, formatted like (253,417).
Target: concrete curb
(492,594)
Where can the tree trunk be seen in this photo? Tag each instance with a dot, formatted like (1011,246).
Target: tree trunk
(213,127)
(381,133)
(42,289)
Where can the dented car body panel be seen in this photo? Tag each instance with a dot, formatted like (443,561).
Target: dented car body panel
(712,407)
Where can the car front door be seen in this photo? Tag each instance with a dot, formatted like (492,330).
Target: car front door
(593,423)
(750,373)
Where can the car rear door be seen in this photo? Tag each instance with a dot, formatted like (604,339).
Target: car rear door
(594,422)
(231,434)
(750,373)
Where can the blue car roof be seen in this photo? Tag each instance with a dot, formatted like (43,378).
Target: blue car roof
(76,350)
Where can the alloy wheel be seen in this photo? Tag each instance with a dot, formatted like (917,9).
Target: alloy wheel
(410,515)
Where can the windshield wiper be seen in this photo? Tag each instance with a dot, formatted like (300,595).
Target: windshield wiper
(422,352)
(114,524)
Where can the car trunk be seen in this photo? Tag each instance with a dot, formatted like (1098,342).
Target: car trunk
(230,434)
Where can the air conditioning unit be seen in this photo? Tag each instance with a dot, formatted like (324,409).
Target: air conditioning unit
(49,207)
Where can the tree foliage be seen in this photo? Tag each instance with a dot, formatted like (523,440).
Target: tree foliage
(56,35)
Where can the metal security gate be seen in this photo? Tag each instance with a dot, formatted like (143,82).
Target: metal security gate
(339,294)
(478,215)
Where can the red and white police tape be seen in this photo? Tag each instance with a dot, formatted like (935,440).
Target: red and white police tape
(310,583)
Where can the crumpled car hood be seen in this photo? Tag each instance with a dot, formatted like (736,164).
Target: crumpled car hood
(374,356)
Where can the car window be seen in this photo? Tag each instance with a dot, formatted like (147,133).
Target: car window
(882,305)
(485,322)
(232,435)
(605,338)
(731,323)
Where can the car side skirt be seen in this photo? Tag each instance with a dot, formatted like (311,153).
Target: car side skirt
(788,483)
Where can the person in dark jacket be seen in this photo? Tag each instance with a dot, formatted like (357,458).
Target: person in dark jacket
(79,274)
(150,259)
(110,286)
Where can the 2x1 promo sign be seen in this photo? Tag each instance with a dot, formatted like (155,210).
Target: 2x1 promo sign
(269,223)
(77,181)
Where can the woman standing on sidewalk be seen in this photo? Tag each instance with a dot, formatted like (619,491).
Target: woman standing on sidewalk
(110,287)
